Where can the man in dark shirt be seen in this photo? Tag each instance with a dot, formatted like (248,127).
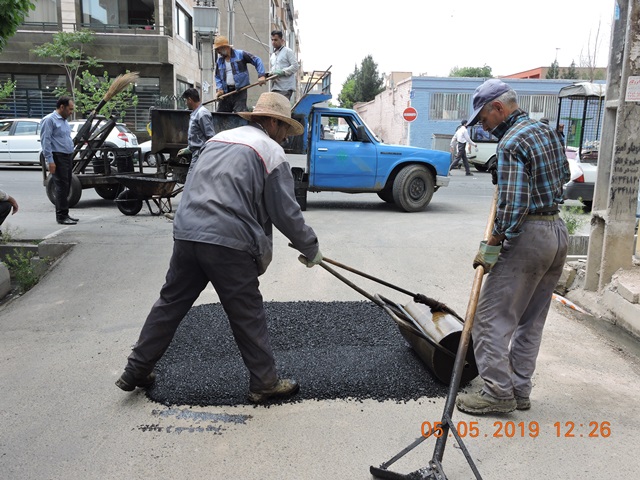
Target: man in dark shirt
(524,256)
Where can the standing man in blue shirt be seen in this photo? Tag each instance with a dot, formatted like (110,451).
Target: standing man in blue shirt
(200,124)
(57,147)
(284,65)
(524,256)
(232,74)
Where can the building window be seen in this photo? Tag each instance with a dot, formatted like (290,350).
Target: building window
(33,96)
(449,106)
(45,13)
(539,106)
(148,91)
(117,13)
(184,24)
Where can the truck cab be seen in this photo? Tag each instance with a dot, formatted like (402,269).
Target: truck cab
(352,159)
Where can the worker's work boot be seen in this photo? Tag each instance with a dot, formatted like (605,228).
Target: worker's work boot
(523,403)
(284,387)
(128,381)
(481,403)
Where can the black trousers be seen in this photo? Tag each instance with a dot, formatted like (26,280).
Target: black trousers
(62,183)
(462,155)
(286,93)
(234,103)
(5,210)
(234,275)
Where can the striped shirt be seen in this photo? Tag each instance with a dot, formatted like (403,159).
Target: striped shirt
(532,169)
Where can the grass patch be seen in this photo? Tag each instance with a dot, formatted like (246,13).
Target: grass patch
(22,270)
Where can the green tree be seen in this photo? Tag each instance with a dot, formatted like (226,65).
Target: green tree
(473,72)
(13,14)
(6,89)
(347,95)
(93,89)
(68,50)
(362,85)
(554,70)
(571,72)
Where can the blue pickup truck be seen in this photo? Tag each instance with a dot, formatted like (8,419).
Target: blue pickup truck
(355,161)
(359,162)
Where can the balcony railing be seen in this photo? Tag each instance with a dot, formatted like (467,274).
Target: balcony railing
(135,29)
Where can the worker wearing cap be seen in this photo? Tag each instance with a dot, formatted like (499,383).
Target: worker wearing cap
(525,254)
(232,74)
(240,187)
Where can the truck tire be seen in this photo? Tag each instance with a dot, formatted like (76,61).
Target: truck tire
(299,191)
(413,188)
(75,191)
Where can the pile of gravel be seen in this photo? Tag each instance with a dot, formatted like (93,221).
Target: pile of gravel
(334,349)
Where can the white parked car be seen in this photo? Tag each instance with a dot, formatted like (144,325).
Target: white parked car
(583,179)
(482,157)
(20,141)
(149,158)
(119,137)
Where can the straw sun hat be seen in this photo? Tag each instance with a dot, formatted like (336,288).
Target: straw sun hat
(221,41)
(271,104)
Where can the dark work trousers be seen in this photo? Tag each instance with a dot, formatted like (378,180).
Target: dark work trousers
(462,155)
(234,275)
(5,210)
(286,93)
(234,103)
(513,306)
(62,183)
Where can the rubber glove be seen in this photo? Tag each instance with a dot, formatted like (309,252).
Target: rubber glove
(278,72)
(183,152)
(311,263)
(487,256)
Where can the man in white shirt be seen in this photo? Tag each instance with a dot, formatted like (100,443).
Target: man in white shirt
(462,138)
(284,65)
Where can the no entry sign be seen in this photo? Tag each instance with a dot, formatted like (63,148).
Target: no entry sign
(410,114)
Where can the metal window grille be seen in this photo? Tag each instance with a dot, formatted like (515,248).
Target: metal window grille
(449,106)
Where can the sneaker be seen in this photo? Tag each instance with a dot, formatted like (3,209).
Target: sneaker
(128,382)
(284,387)
(482,402)
(522,403)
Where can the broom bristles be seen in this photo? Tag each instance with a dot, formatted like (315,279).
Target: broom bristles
(120,83)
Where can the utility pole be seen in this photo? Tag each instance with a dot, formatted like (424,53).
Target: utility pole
(231,19)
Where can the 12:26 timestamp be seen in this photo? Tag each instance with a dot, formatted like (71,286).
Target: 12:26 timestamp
(589,430)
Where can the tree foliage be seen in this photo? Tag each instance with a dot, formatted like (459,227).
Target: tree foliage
(13,14)
(473,72)
(6,89)
(92,90)
(68,51)
(571,72)
(362,85)
(554,70)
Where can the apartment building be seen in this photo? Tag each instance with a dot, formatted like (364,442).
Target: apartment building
(168,41)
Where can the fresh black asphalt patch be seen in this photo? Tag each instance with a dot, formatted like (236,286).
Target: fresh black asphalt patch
(336,350)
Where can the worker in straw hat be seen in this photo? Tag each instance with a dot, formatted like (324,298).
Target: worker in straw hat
(232,74)
(240,187)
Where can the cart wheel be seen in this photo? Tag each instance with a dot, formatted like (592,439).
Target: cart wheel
(108,192)
(75,190)
(129,202)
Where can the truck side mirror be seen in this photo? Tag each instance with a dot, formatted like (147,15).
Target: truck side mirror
(361,133)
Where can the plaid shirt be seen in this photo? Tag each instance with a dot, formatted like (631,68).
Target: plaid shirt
(532,168)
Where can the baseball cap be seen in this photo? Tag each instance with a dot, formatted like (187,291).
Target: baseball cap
(485,93)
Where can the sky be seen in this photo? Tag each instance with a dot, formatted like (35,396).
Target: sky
(429,37)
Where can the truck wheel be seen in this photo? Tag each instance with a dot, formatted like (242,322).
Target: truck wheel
(108,192)
(386,195)
(75,191)
(413,188)
(301,198)
(480,168)
(129,203)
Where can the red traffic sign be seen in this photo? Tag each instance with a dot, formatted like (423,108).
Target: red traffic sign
(410,114)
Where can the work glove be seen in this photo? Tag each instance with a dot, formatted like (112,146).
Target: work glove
(279,72)
(183,152)
(487,256)
(311,263)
